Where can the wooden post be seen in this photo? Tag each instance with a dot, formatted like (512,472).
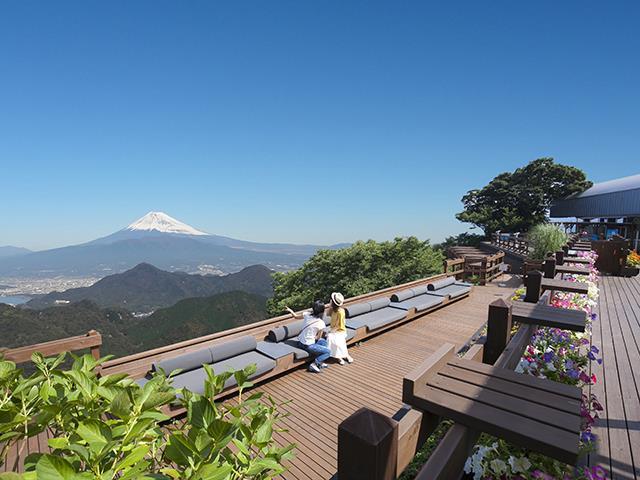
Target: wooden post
(534,287)
(367,447)
(559,257)
(550,268)
(565,249)
(498,330)
(95,350)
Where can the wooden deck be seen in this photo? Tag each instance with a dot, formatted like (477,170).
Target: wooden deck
(617,334)
(321,401)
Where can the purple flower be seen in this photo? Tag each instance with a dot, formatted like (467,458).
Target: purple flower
(587,437)
(548,356)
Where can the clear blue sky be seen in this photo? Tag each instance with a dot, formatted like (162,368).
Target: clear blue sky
(300,121)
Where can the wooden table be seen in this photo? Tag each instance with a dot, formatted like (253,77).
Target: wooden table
(575,260)
(530,412)
(564,285)
(572,269)
(546,316)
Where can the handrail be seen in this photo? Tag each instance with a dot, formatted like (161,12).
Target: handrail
(91,340)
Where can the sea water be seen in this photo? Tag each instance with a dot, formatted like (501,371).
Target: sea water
(14,299)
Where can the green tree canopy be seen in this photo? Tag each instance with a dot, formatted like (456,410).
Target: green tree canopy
(360,268)
(516,201)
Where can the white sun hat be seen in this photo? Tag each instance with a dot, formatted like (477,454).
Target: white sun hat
(337,298)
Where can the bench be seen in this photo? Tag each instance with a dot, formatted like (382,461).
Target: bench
(564,286)
(417,299)
(373,315)
(232,355)
(538,414)
(448,287)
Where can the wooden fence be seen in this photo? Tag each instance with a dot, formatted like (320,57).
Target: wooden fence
(92,340)
(480,269)
(510,243)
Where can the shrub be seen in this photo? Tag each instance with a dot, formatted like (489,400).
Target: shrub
(111,428)
(360,268)
(545,238)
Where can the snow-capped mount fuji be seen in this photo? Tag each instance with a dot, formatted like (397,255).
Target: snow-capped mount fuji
(162,241)
(163,223)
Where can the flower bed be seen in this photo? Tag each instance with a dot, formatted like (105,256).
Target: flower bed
(561,356)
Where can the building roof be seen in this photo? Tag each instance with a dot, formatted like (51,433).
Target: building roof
(618,185)
(612,199)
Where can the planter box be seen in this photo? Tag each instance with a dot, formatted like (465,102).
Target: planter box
(630,271)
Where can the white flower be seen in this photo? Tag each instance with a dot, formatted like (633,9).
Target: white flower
(467,465)
(550,367)
(498,467)
(519,465)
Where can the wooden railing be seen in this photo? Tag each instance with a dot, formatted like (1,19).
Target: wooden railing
(510,243)
(482,269)
(91,340)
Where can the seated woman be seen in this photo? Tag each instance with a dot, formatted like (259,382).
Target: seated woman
(337,336)
(310,338)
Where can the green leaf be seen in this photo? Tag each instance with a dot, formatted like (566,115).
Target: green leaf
(263,464)
(264,432)
(132,457)
(6,368)
(50,467)
(121,405)
(61,442)
(214,472)
(156,399)
(95,433)
(178,450)
(201,413)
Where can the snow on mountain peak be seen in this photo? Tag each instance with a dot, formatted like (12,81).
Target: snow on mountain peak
(161,222)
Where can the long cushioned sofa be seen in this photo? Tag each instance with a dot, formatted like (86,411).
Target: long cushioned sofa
(448,287)
(232,355)
(283,340)
(373,315)
(416,297)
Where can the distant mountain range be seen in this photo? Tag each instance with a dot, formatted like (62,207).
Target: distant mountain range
(10,251)
(160,240)
(145,288)
(124,334)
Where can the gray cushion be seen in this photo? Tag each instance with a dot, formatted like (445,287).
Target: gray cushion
(357,309)
(232,348)
(437,285)
(185,362)
(403,295)
(421,302)
(464,284)
(281,349)
(277,334)
(293,329)
(377,319)
(193,380)
(263,363)
(350,333)
(420,290)
(379,303)
(299,353)
(452,290)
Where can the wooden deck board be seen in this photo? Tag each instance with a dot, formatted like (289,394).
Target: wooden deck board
(616,333)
